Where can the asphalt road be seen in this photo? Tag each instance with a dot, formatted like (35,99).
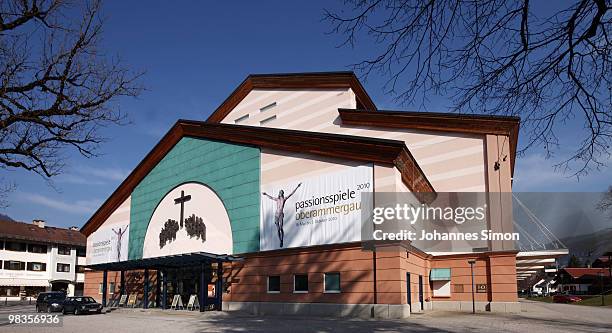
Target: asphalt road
(536,317)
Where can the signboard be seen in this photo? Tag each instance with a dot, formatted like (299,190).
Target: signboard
(320,210)
(177,302)
(132,300)
(481,288)
(122,300)
(193,302)
(190,218)
(108,244)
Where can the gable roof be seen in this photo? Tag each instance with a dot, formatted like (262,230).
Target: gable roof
(442,122)
(30,232)
(349,147)
(313,80)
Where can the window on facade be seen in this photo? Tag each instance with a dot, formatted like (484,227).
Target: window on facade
(15,246)
(80,269)
(14,265)
(267,107)
(111,288)
(37,266)
(80,252)
(241,119)
(331,283)
(300,283)
(440,282)
(63,250)
(37,248)
(65,268)
(100,288)
(267,120)
(9,291)
(1,245)
(274,284)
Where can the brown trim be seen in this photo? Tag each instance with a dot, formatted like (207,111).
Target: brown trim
(478,255)
(333,145)
(444,122)
(324,80)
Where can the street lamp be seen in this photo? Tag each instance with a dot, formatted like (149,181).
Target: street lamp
(601,274)
(472,262)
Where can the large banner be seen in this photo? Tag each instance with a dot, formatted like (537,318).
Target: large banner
(108,244)
(325,209)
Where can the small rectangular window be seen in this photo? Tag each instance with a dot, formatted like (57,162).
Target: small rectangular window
(241,119)
(37,266)
(14,265)
(300,283)
(16,246)
(63,250)
(111,288)
(80,269)
(37,248)
(64,268)
(81,252)
(267,107)
(267,120)
(100,288)
(274,284)
(331,283)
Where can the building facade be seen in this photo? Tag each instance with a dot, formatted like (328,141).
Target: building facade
(37,258)
(261,206)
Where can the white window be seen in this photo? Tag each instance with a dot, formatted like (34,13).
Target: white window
(300,283)
(267,107)
(241,119)
(111,288)
(441,288)
(274,284)
(100,288)
(267,120)
(331,283)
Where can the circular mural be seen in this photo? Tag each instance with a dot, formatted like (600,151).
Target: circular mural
(190,218)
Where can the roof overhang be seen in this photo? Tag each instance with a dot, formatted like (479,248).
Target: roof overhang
(321,80)
(372,150)
(171,261)
(441,122)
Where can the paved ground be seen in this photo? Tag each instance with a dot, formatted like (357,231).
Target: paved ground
(536,317)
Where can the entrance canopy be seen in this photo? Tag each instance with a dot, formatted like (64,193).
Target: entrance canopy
(172,261)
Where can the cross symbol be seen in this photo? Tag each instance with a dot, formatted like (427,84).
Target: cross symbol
(181,200)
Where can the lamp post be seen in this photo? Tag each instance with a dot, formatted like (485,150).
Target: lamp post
(601,274)
(472,262)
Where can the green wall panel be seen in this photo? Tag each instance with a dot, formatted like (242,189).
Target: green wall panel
(232,171)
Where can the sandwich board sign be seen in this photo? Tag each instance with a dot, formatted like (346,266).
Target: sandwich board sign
(122,300)
(177,302)
(193,302)
(132,300)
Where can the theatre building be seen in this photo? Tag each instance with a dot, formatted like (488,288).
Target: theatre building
(258,208)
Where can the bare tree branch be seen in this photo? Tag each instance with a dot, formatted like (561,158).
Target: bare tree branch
(56,88)
(497,57)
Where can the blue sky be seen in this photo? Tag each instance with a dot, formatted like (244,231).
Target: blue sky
(194,54)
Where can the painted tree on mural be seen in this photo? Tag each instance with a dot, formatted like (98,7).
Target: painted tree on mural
(548,62)
(57,89)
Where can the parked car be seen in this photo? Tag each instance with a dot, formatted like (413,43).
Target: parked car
(563,298)
(50,301)
(80,305)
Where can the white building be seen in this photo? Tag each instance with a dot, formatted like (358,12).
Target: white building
(36,258)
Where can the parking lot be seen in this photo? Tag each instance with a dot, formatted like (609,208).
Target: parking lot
(536,317)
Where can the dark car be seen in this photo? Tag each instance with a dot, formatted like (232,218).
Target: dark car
(50,301)
(81,304)
(563,298)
